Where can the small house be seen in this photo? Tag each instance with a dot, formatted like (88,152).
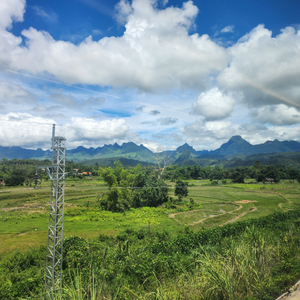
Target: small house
(270,180)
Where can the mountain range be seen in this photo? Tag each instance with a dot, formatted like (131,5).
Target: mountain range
(183,155)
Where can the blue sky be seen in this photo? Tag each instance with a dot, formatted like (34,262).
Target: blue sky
(158,73)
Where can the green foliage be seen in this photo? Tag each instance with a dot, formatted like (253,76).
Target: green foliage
(181,188)
(131,188)
(257,259)
(22,274)
(153,193)
(238,175)
(261,256)
(18,172)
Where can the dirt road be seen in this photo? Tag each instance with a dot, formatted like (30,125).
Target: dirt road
(292,294)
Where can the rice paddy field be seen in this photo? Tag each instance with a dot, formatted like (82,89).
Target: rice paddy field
(24,211)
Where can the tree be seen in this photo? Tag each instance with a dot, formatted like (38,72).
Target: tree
(272,172)
(216,174)
(293,174)
(153,193)
(108,176)
(238,175)
(181,188)
(17,177)
(257,167)
(131,188)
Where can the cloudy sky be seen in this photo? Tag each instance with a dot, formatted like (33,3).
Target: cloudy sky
(155,72)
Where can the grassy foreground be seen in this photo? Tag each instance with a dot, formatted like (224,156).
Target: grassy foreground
(243,243)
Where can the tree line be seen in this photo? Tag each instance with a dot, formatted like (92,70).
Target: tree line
(258,172)
(17,172)
(21,172)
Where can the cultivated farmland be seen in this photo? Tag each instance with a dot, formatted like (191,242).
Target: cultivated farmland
(237,241)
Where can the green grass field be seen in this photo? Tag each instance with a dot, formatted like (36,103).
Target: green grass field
(24,211)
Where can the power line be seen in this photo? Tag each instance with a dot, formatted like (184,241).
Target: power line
(60,83)
(94,188)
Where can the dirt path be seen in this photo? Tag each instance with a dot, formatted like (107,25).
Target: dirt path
(269,192)
(252,209)
(292,294)
(287,200)
(229,212)
(33,208)
(280,204)
(172,216)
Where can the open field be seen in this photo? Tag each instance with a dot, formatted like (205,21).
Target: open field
(200,249)
(24,211)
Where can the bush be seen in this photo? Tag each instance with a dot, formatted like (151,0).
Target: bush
(181,188)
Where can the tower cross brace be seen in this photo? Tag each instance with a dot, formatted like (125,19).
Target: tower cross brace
(54,258)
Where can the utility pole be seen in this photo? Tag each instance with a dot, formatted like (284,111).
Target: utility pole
(36,178)
(53,274)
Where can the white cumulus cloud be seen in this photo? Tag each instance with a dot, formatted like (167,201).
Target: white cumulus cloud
(155,52)
(266,69)
(227,29)
(11,10)
(26,130)
(277,115)
(213,105)
(83,129)
(23,129)
(11,93)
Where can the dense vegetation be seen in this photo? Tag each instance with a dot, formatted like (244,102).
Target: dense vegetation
(254,259)
(19,172)
(136,187)
(258,172)
(186,248)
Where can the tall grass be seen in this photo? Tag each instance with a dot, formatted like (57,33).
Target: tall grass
(257,261)
(254,265)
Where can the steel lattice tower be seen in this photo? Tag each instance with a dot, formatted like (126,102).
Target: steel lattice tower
(53,276)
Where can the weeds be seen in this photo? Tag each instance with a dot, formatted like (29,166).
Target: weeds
(240,261)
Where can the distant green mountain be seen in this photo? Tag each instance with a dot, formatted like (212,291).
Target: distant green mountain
(128,150)
(21,153)
(183,155)
(186,147)
(282,158)
(126,162)
(236,145)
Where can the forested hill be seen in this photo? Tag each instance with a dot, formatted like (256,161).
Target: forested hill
(185,154)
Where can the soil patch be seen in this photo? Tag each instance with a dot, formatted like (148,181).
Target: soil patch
(244,201)
(213,216)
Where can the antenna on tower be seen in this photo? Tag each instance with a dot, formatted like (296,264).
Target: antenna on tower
(54,258)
